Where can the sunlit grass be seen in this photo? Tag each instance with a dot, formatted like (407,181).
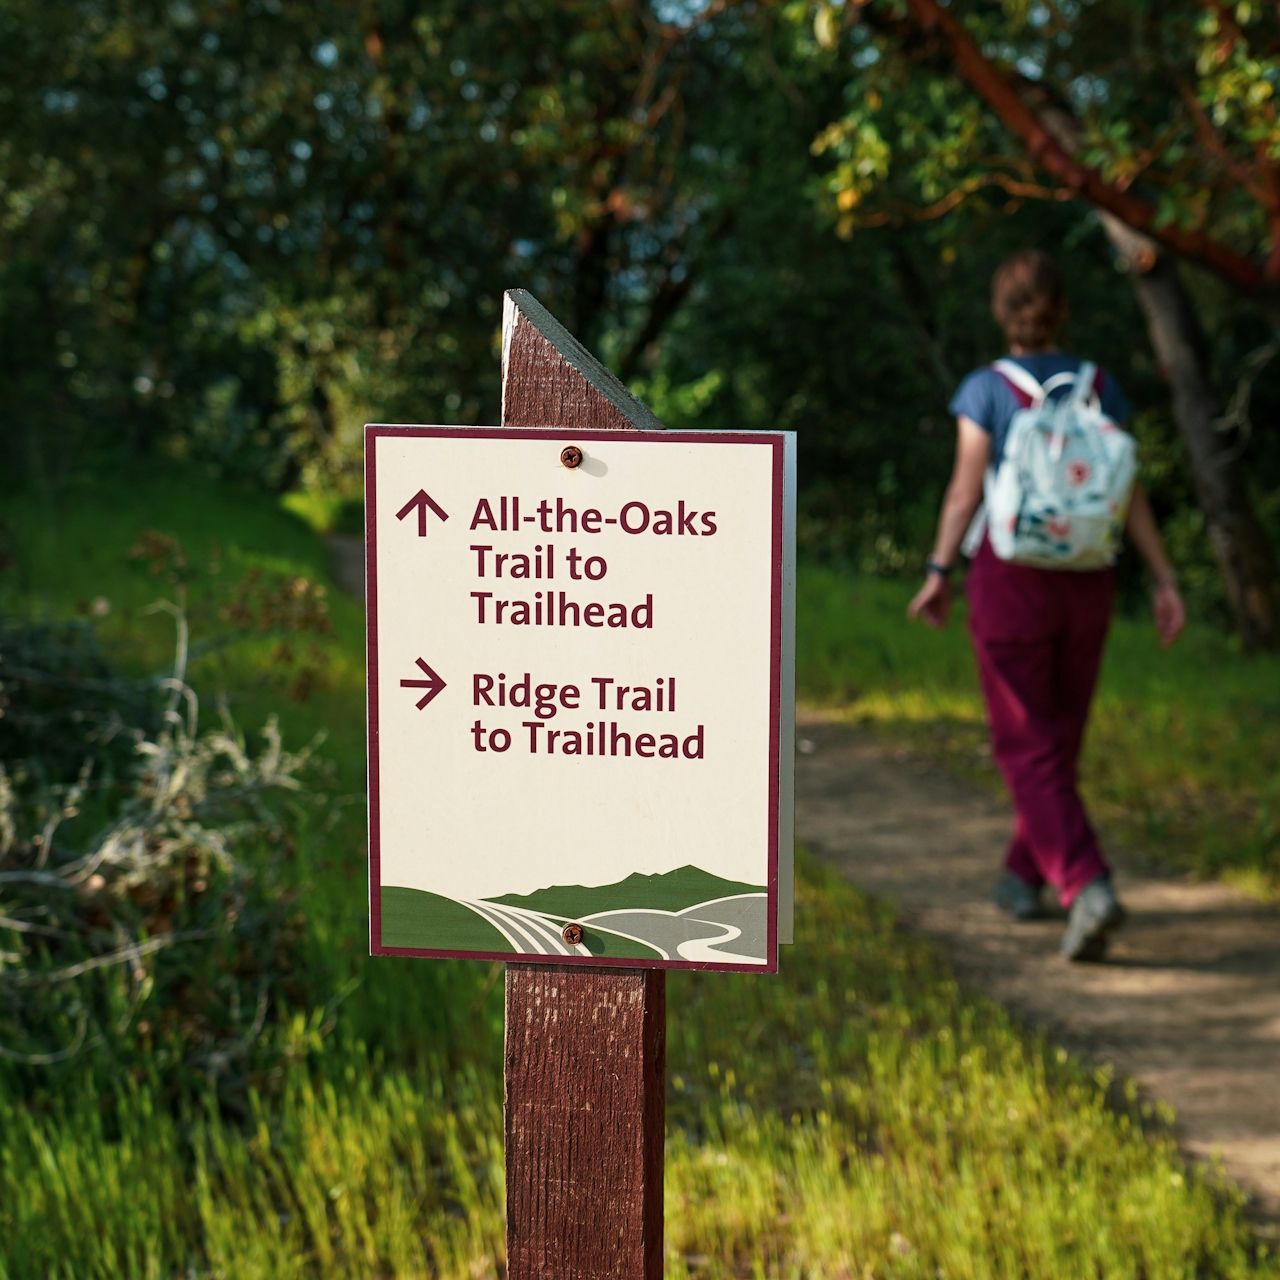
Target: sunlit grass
(855,1116)
(352,1173)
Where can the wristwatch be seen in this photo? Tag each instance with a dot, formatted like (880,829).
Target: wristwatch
(942,570)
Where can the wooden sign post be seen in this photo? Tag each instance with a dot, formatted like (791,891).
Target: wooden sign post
(586,1062)
(580,736)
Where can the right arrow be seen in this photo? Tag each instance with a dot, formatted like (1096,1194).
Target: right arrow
(432,684)
(422,500)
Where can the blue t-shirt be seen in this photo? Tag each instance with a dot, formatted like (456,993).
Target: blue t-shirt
(987,398)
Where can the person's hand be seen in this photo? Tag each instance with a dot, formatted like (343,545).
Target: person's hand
(1169,612)
(932,602)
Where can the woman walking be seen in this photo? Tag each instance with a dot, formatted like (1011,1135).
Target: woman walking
(1038,633)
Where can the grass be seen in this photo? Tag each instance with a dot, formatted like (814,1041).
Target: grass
(1182,759)
(354,1172)
(856,1116)
(862,1117)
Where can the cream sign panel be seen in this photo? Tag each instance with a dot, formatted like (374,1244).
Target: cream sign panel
(580,694)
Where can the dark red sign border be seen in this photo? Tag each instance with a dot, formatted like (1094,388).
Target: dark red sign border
(765,439)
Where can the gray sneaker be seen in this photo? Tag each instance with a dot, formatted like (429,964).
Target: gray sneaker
(1095,914)
(1020,899)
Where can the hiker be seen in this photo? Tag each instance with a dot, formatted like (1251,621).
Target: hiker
(1040,585)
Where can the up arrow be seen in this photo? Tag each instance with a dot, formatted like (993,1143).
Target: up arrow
(422,500)
(432,684)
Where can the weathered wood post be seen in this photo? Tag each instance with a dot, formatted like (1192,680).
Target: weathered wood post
(585,1047)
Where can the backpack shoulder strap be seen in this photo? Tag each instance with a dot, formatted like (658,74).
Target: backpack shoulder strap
(1088,382)
(1027,390)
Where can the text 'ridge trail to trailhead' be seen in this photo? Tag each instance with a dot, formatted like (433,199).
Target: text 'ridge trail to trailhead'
(576,694)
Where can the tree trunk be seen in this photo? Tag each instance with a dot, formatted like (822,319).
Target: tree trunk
(1240,543)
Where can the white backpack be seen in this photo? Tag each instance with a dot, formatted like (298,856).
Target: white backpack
(1060,495)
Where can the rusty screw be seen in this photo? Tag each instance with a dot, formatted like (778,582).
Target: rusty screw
(571,457)
(572,934)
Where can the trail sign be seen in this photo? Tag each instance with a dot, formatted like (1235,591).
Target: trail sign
(580,695)
(455,809)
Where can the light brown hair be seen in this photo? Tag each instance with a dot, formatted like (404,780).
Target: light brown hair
(1028,299)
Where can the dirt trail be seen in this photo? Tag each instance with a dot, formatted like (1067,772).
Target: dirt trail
(1188,1002)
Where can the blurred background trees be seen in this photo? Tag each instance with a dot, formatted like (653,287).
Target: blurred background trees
(232,233)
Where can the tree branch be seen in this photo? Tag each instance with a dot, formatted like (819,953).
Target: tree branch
(1210,140)
(1019,190)
(1044,149)
(667,301)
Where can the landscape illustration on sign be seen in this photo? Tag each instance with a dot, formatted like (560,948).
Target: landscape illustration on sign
(687,914)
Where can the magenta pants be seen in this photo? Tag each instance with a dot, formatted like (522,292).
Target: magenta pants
(1038,635)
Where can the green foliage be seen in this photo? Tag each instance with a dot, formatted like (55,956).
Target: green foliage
(1179,107)
(133,929)
(1167,481)
(337,195)
(149,921)
(64,706)
(679,407)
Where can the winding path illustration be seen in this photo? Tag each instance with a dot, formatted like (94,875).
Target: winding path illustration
(700,932)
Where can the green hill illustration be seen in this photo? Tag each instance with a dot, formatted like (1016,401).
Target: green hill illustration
(671,891)
(414,918)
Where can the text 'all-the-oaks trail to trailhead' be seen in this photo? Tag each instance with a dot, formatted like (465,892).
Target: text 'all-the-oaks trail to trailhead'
(542,561)
(575,679)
